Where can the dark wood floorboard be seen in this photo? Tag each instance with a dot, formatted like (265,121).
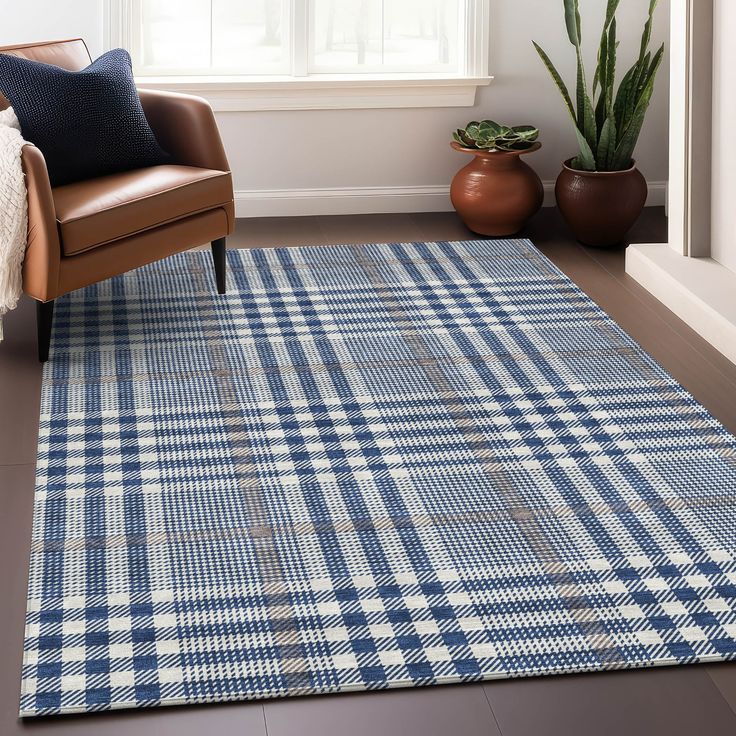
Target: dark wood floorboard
(672,701)
(456,710)
(20,387)
(724,676)
(677,701)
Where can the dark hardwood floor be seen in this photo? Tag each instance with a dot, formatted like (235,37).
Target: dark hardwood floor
(679,701)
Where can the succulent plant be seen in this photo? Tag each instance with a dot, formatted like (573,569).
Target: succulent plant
(488,135)
(608,128)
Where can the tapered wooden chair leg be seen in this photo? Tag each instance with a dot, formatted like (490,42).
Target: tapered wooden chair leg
(220,261)
(44,322)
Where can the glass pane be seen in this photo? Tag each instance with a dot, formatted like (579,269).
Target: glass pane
(420,33)
(247,35)
(175,33)
(212,36)
(347,33)
(385,35)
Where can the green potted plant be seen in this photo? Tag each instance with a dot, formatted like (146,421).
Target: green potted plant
(496,193)
(600,192)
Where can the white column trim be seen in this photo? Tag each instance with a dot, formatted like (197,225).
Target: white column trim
(691,104)
(681,274)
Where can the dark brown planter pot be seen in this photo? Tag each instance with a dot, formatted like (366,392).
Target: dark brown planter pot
(601,206)
(496,193)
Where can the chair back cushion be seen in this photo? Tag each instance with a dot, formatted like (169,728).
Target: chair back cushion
(72,55)
(87,122)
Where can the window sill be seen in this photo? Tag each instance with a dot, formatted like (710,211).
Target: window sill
(324,92)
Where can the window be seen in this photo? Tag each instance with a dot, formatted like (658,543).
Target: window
(364,36)
(211,37)
(369,50)
(299,37)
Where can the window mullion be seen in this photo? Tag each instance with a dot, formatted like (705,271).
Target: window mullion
(212,33)
(300,24)
(476,31)
(383,31)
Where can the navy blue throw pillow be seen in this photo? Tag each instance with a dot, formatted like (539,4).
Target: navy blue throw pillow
(87,123)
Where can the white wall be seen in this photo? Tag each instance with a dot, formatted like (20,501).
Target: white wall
(723,240)
(46,20)
(395,148)
(356,148)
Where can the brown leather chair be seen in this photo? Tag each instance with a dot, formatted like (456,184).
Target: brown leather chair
(85,232)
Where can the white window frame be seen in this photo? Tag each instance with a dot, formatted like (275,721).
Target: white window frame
(325,91)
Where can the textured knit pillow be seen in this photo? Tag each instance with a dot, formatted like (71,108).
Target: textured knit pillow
(87,123)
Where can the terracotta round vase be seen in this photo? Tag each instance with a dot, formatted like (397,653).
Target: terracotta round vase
(601,206)
(496,193)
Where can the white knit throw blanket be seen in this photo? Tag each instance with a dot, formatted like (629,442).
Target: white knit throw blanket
(13,213)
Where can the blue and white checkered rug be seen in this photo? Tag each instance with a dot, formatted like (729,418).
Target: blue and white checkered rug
(365,467)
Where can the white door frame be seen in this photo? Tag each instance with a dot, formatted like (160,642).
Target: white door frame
(681,274)
(691,122)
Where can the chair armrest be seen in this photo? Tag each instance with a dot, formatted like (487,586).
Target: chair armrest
(186,128)
(43,252)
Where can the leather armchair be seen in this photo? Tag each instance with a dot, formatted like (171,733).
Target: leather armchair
(82,233)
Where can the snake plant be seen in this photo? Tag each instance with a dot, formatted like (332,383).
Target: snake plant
(608,122)
(488,135)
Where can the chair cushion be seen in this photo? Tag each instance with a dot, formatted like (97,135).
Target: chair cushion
(97,211)
(86,123)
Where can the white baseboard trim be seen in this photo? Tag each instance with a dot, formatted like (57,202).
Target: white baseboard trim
(698,290)
(341,201)
(369,200)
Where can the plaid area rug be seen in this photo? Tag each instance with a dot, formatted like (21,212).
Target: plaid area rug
(365,467)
